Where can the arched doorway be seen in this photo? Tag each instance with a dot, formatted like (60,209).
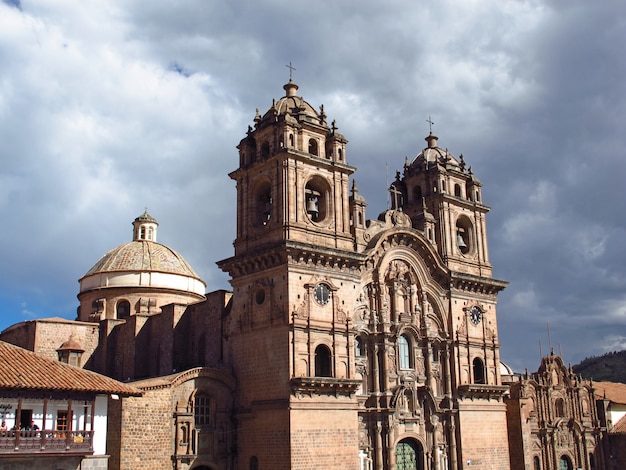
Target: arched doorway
(409,455)
(565,463)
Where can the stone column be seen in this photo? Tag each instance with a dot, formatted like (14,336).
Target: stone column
(379,446)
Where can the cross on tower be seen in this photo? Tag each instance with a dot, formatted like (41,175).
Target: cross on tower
(291,69)
(395,192)
(430,124)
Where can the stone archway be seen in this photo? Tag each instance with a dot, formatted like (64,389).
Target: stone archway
(409,455)
(565,463)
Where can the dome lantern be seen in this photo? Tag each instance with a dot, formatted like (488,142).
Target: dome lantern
(145,227)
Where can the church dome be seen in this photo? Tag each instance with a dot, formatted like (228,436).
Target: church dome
(435,154)
(143,273)
(143,255)
(292,108)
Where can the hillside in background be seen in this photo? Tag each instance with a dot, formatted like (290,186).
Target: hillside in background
(611,367)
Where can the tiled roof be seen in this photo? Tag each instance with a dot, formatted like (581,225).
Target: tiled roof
(615,392)
(23,370)
(143,255)
(620,426)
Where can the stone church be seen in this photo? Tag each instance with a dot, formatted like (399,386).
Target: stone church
(345,343)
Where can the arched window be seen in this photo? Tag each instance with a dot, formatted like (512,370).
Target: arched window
(464,239)
(250,151)
(322,361)
(123,308)
(265,150)
(263,204)
(559,408)
(340,152)
(404,352)
(290,140)
(313,147)
(479,371)
(358,346)
(536,463)
(202,409)
(565,463)
(417,194)
(435,350)
(457,190)
(317,200)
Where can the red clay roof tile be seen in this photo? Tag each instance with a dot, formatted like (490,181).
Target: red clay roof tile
(21,369)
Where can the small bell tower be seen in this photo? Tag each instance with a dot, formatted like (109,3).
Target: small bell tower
(443,198)
(293,179)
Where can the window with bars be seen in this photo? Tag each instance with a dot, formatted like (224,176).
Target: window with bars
(202,410)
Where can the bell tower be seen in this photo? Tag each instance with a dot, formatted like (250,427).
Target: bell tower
(443,199)
(294,273)
(293,179)
(438,185)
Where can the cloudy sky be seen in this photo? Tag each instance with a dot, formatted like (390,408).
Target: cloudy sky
(107,108)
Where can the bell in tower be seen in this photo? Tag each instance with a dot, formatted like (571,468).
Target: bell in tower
(312,204)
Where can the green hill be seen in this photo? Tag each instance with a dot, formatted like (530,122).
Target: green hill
(610,367)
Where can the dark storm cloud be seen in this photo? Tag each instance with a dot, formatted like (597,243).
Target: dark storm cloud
(112,107)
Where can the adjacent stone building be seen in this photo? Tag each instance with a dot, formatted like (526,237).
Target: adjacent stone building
(553,420)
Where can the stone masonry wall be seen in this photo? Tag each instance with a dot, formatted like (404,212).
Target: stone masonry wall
(484,439)
(147,432)
(45,336)
(324,438)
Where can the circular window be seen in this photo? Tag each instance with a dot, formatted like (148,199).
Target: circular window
(322,293)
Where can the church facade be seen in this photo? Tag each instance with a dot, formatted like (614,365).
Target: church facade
(383,332)
(345,343)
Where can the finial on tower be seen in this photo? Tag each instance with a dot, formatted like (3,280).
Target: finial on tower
(430,124)
(291,69)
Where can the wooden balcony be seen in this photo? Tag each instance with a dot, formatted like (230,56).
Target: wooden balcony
(37,442)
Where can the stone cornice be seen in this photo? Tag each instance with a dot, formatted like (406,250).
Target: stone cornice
(470,283)
(324,386)
(292,253)
(483,391)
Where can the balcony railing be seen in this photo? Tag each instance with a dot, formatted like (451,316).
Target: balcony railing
(30,442)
